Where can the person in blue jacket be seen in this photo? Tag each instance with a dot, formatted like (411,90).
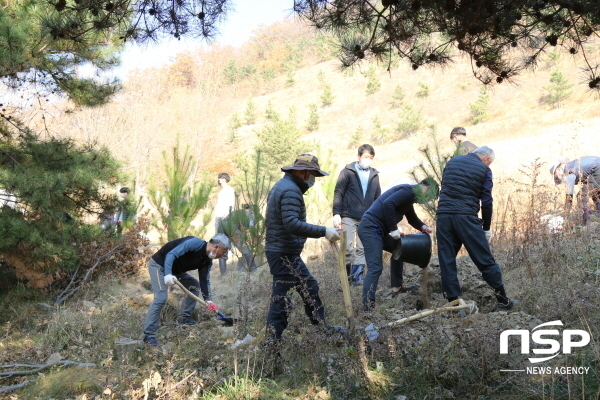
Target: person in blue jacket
(378,230)
(171,263)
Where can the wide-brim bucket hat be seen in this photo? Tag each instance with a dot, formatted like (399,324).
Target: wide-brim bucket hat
(306,162)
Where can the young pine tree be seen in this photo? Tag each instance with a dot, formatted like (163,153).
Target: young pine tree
(479,109)
(373,84)
(327,97)
(180,197)
(558,90)
(250,112)
(397,97)
(313,118)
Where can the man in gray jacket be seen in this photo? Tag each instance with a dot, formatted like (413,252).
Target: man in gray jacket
(356,189)
(286,234)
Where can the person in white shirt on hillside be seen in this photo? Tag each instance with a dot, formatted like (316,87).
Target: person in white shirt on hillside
(225,204)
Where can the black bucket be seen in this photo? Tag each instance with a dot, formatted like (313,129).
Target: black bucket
(414,249)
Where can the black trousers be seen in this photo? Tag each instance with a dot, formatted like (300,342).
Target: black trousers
(290,272)
(453,231)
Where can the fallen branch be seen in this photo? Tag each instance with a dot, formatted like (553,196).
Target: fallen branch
(38,368)
(8,389)
(65,294)
(167,391)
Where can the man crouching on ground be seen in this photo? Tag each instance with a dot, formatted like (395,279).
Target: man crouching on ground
(286,234)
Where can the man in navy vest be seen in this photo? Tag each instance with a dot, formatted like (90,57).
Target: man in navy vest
(171,263)
(467,182)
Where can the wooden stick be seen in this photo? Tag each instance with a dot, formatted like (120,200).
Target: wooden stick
(192,295)
(8,389)
(458,304)
(341,254)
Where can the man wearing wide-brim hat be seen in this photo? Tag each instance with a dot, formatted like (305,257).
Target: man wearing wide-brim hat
(287,231)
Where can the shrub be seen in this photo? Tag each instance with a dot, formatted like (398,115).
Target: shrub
(373,84)
(397,97)
(410,122)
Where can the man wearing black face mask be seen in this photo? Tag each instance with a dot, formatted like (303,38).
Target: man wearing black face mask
(286,234)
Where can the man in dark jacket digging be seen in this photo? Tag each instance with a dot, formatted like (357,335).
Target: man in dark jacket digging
(378,230)
(286,234)
(467,182)
(356,189)
(171,263)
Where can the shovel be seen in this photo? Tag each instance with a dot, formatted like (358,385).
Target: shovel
(341,253)
(220,316)
(455,305)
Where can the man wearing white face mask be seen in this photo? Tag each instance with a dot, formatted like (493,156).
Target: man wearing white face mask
(356,189)
(171,263)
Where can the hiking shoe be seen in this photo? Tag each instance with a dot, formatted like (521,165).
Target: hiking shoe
(152,342)
(405,289)
(507,307)
(187,321)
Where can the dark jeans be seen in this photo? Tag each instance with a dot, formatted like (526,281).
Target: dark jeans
(374,242)
(453,231)
(290,272)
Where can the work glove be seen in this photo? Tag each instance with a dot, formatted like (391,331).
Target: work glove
(337,221)
(332,234)
(425,228)
(396,235)
(210,306)
(170,280)
(488,235)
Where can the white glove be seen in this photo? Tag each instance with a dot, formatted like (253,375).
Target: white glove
(396,234)
(170,280)
(332,234)
(488,235)
(337,221)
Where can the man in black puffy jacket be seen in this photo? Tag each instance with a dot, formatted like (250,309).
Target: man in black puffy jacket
(286,234)
(356,189)
(467,182)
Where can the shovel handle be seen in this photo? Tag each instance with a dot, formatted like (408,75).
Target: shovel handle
(192,295)
(455,305)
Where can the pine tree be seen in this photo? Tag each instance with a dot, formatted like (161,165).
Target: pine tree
(479,109)
(409,123)
(356,138)
(250,112)
(180,198)
(313,118)
(423,90)
(234,125)
(558,90)
(373,84)
(397,97)
(327,97)
(54,186)
(270,113)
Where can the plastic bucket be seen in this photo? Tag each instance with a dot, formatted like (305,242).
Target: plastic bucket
(414,249)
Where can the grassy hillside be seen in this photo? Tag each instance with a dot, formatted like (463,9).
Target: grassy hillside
(555,276)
